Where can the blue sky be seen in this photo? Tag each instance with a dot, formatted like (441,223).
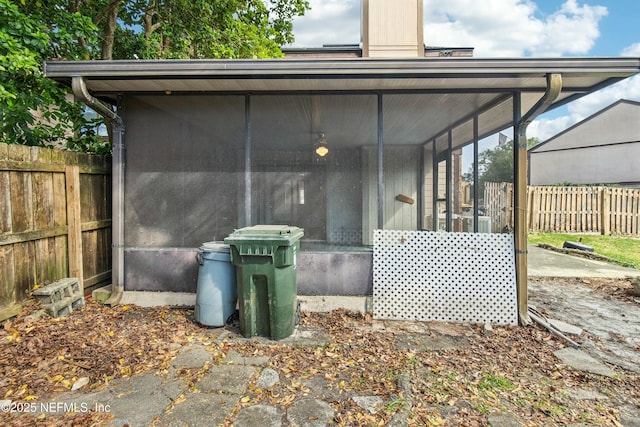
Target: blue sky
(509,28)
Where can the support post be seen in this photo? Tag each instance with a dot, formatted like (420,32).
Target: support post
(476,174)
(380,164)
(434,187)
(247,161)
(117,213)
(554,86)
(449,184)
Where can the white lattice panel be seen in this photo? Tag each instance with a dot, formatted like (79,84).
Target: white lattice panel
(453,277)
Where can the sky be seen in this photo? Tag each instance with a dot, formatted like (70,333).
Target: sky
(508,29)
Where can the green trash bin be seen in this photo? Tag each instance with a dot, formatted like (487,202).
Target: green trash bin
(265,260)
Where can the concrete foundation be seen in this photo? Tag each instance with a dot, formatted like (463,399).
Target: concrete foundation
(348,272)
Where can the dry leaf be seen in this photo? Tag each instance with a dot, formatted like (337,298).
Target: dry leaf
(81,382)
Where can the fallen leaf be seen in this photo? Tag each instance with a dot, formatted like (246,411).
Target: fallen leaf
(81,382)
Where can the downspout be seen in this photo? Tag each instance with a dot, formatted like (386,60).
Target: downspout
(554,87)
(79,87)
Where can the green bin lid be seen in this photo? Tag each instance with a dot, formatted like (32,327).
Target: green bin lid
(283,234)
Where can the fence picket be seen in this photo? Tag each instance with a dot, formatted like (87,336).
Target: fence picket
(569,209)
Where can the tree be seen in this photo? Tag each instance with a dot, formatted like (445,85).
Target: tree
(182,29)
(496,165)
(33,109)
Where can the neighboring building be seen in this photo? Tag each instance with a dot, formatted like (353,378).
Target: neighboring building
(601,149)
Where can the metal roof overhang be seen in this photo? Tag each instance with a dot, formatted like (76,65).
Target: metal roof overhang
(446,91)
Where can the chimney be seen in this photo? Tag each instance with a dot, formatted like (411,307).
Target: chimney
(392,29)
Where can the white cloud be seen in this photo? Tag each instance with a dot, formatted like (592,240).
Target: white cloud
(495,28)
(512,28)
(573,29)
(544,129)
(633,50)
(328,22)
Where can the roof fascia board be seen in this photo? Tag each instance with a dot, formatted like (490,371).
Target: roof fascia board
(339,67)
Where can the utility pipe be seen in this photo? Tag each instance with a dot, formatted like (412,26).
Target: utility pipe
(554,87)
(79,87)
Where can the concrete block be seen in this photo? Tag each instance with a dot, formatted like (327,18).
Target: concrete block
(65,307)
(58,290)
(61,297)
(101,294)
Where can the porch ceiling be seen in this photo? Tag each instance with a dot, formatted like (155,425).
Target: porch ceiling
(423,97)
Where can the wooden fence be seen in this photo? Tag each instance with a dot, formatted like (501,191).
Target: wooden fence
(55,220)
(498,204)
(604,210)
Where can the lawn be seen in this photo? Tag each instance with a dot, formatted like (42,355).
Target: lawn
(624,250)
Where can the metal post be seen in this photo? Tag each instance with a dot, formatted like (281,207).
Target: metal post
(436,173)
(380,165)
(449,182)
(420,184)
(247,160)
(476,177)
(554,87)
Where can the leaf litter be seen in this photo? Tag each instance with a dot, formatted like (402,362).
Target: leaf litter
(513,370)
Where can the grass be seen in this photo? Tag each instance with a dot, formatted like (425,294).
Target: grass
(498,382)
(623,250)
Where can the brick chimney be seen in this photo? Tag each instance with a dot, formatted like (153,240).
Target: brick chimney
(392,29)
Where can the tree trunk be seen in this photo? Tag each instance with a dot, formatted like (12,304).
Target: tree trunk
(109,29)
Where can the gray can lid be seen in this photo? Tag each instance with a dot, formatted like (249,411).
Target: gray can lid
(215,247)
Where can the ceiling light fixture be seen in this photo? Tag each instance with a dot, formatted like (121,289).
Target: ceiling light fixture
(321,147)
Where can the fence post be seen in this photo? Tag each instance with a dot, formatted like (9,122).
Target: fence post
(533,208)
(605,223)
(74,222)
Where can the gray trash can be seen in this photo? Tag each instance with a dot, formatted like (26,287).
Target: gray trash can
(216,293)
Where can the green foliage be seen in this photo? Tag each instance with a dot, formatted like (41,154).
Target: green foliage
(182,29)
(496,382)
(496,165)
(34,109)
(395,405)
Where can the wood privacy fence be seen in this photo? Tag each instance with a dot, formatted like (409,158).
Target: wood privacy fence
(498,204)
(604,210)
(55,220)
